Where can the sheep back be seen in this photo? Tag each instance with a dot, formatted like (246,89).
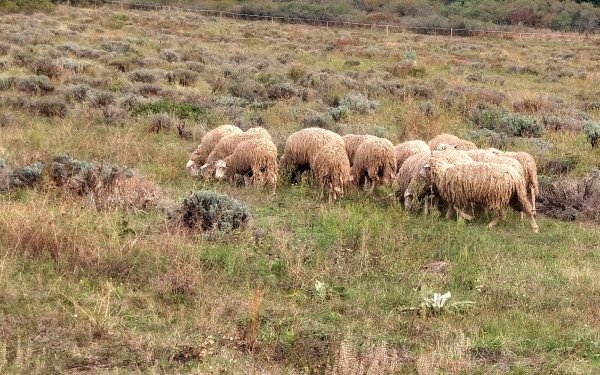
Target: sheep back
(404,150)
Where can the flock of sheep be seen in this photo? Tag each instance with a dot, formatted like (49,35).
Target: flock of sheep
(448,172)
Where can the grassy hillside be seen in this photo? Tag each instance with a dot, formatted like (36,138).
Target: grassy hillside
(310,287)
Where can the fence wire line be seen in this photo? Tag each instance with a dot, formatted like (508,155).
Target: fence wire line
(458,32)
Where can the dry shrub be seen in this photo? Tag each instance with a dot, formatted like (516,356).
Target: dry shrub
(34,84)
(568,199)
(372,359)
(49,107)
(20,177)
(450,355)
(183,77)
(161,123)
(108,186)
(7,119)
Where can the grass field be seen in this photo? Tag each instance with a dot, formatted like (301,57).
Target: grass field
(310,287)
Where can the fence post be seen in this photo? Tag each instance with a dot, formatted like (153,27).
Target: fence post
(327,23)
(220,15)
(387,29)
(451,33)
(272,21)
(121,4)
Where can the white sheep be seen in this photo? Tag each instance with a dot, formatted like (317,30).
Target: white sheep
(255,159)
(492,186)
(407,149)
(208,143)
(331,169)
(302,145)
(374,163)
(227,145)
(452,140)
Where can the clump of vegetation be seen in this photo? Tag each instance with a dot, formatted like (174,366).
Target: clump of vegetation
(22,177)
(33,84)
(183,77)
(210,211)
(161,123)
(187,111)
(592,133)
(48,107)
(358,103)
(522,126)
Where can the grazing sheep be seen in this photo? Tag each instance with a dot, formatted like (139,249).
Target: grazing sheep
(492,186)
(302,145)
(529,172)
(227,145)
(418,187)
(407,149)
(408,172)
(331,169)
(352,141)
(374,163)
(255,159)
(452,140)
(209,141)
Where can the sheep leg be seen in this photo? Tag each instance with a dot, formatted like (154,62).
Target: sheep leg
(426,208)
(533,223)
(494,222)
(522,215)
(463,214)
(448,213)
(533,202)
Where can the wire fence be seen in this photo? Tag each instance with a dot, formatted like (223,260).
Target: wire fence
(386,28)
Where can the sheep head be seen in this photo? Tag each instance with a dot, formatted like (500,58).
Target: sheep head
(192,168)
(220,169)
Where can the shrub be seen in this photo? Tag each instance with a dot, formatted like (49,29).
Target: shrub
(281,90)
(170,55)
(47,67)
(210,211)
(316,119)
(117,46)
(405,69)
(183,77)
(338,113)
(21,177)
(488,137)
(76,93)
(82,177)
(124,63)
(231,101)
(358,103)
(143,75)
(6,83)
(114,115)
(592,133)
(7,119)
(522,126)
(49,107)
(487,118)
(101,98)
(247,89)
(34,84)
(161,123)
(296,73)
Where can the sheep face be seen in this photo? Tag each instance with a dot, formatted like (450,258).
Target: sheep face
(192,168)
(220,169)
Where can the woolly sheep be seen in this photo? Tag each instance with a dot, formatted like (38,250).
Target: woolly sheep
(208,143)
(492,186)
(227,145)
(331,169)
(352,141)
(484,154)
(255,159)
(374,163)
(408,171)
(302,145)
(417,187)
(407,149)
(529,172)
(452,140)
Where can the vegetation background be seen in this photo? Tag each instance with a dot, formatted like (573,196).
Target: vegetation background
(96,286)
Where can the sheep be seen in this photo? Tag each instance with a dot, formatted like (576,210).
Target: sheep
(529,172)
(374,163)
(331,169)
(209,141)
(227,145)
(415,186)
(408,171)
(255,159)
(407,149)
(302,145)
(452,140)
(352,141)
(492,186)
